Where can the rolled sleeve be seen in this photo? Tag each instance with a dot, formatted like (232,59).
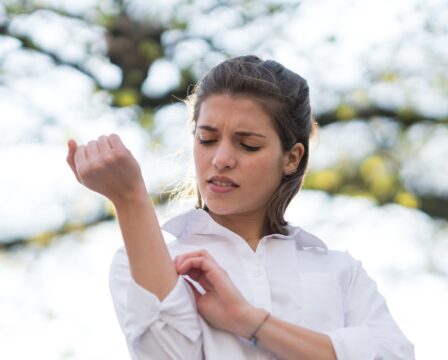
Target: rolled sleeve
(154,328)
(143,308)
(354,343)
(370,332)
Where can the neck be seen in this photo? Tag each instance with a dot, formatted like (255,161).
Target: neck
(249,227)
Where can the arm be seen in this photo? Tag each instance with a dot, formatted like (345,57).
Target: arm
(225,308)
(107,167)
(154,329)
(287,340)
(154,307)
(370,332)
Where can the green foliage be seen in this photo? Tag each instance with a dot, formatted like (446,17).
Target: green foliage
(406,114)
(146,119)
(390,77)
(42,239)
(126,97)
(345,112)
(150,49)
(328,180)
(407,199)
(134,44)
(375,178)
(378,177)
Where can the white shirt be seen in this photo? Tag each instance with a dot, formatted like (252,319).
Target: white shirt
(294,277)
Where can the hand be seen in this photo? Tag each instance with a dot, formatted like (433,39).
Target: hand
(107,167)
(222,305)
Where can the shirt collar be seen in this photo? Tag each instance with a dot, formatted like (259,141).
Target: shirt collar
(199,222)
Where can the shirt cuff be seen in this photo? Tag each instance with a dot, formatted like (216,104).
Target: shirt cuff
(353,343)
(177,309)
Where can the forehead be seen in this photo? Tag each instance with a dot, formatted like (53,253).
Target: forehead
(234,112)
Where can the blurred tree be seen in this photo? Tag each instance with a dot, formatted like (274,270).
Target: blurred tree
(138,36)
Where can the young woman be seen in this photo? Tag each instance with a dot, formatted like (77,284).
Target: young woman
(238,282)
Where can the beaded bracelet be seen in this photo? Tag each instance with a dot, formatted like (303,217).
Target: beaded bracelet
(253,338)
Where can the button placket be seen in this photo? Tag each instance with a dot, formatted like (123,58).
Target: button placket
(261,288)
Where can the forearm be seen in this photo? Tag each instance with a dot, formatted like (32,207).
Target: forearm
(149,260)
(107,167)
(289,341)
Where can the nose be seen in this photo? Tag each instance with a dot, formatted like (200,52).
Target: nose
(224,157)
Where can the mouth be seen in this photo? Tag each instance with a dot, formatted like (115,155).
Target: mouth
(222,181)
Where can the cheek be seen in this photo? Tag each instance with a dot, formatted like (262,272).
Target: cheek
(272,164)
(201,164)
(268,173)
(197,157)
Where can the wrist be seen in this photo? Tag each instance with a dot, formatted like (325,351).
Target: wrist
(254,337)
(131,199)
(252,321)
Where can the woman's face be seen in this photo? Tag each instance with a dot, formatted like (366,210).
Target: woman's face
(238,156)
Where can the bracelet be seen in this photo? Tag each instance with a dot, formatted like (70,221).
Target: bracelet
(253,339)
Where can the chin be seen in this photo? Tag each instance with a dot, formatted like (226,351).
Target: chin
(220,209)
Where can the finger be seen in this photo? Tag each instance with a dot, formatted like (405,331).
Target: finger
(199,262)
(71,156)
(197,295)
(201,270)
(80,156)
(92,150)
(200,277)
(115,141)
(72,145)
(103,144)
(202,252)
(195,274)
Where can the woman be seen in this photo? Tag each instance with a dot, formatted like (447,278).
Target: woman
(238,282)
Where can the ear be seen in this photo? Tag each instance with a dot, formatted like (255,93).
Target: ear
(293,158)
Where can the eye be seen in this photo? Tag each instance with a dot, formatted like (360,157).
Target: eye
(250,148)
(206,142)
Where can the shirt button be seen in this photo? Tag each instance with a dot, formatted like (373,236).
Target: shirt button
(257,273)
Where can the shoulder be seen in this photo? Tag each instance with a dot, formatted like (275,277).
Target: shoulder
(314,245)
(315,256)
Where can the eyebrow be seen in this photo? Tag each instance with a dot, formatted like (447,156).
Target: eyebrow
(239,133)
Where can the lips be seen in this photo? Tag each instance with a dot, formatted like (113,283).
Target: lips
(222,181)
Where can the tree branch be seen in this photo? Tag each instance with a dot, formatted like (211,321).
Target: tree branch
(406,117)
(48,237)
(30,9)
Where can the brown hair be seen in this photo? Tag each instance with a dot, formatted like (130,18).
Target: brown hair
(284,95)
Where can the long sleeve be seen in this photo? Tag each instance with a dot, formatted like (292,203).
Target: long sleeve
(154,329)
(370,332)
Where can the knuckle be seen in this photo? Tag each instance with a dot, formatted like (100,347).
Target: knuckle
(83,170)
(108,158)
(96,164)
(122,154)
(91,167)
(114,137)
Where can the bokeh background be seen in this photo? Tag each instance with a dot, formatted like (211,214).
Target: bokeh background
(377,186)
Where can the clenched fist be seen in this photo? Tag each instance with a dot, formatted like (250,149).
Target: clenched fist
(106,166)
